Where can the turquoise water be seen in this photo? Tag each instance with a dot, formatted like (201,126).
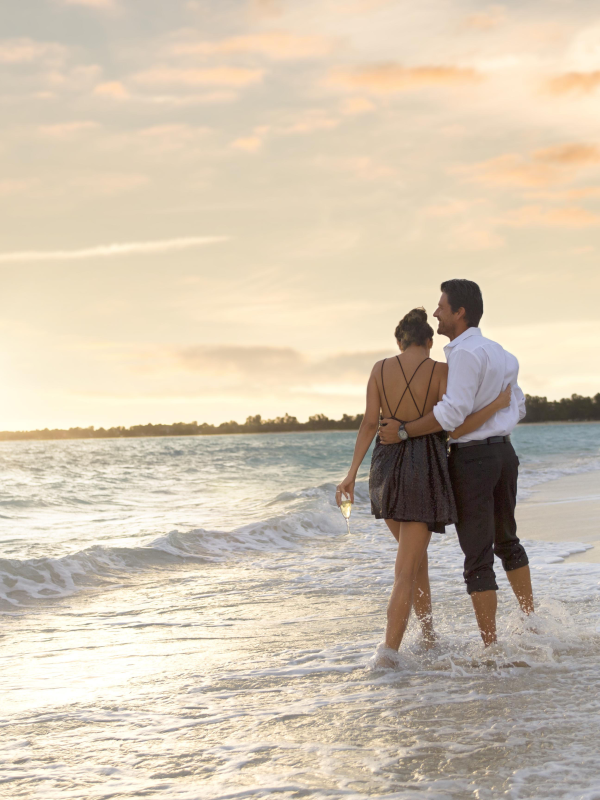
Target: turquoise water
(188,618)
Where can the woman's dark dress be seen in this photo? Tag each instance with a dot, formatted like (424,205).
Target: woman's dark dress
(409,481)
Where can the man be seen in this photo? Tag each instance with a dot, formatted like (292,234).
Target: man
(483,465)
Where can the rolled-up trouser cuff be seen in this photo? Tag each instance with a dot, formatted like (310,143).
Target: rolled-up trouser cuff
(515,563)
(483,582)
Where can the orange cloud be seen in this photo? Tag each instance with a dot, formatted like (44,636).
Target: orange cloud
(569,154)
(486,20)
(565,217)
(250,144)
(546,166)
(385,78)
(215,76)
(309,122)
(274,44)
(356,105)
(566,194)
(509,170)
(114,89)
(66,130)
(574,83)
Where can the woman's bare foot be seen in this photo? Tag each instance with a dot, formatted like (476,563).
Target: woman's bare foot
(385,657)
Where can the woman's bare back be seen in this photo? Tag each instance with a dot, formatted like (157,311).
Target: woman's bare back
(423,377)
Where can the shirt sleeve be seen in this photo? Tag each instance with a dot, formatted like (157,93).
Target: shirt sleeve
(518,393)
(463,382)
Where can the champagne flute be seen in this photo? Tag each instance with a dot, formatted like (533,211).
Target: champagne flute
(346,508)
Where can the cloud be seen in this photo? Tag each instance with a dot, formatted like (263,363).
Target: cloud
(28,51)
(250,144)
(509,170)
(213,76)
(9,188)
(66,130)
(486,20)
(567,154)
(384,78)
(110,250)
(277,45)
(114,89)
(101,4)
(565,217)
(356,105)
(277,365)
(309,121)
(574,83)
(543,167)
(562,195)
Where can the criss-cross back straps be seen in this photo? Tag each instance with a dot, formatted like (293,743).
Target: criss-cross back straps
(407,387)
(428,388)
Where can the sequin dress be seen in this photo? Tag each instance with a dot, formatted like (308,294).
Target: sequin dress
(409,481)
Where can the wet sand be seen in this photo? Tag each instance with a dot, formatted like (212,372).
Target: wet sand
(564,510)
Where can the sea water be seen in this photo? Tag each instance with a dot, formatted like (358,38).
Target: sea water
(189,618)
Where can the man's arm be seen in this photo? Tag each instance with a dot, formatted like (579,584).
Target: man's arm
(518,393)
(455,406)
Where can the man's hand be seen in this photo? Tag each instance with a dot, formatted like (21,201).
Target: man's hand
(388,431)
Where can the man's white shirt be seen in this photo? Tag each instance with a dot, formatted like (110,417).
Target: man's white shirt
(478,370)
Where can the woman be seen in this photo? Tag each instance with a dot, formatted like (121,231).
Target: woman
(409,484)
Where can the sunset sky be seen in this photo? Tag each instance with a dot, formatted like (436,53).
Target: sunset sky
(220,208)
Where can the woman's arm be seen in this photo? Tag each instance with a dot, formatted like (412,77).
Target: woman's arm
(366,434)
(476,420)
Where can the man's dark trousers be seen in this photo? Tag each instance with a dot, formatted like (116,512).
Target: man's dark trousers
(484,481)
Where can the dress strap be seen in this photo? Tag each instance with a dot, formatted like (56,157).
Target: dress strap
(383,387)
(408,383)
(428,388)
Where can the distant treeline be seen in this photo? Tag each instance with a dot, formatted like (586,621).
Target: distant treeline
(256,424)
(572,409)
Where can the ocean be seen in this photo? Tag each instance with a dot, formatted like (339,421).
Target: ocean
(189,618)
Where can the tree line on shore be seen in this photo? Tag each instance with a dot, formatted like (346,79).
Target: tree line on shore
(539,409)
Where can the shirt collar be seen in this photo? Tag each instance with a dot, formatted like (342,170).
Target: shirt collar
(464,335)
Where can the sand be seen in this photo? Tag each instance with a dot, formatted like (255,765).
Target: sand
(564,510)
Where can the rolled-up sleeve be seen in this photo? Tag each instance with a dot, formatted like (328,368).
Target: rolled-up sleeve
(463,383)
(520,397)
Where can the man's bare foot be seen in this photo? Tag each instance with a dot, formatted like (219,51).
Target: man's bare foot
(430,640)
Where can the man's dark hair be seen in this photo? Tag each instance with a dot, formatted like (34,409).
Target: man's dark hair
(465,294)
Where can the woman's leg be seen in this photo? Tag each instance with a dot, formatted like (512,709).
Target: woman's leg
(422,593)
(422,602)
(412,546)
(394,526)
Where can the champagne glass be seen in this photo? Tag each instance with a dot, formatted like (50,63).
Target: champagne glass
(346,508)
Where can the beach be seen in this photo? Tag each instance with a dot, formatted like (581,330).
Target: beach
(189,619)
(565,510)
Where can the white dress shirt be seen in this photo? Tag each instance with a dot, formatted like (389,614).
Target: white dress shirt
(478,370)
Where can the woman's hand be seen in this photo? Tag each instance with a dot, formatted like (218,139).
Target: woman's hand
(503,399)
(346,487)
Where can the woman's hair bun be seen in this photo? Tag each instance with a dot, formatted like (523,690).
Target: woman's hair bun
(413,328)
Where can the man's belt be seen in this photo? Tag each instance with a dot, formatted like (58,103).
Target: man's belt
(474,442)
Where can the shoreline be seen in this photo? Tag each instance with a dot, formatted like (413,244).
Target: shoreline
(564,510)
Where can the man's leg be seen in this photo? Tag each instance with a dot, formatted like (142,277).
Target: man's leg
(485,605)
(474,472)
(506,542)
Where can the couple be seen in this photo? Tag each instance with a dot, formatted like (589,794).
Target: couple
(417,488)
